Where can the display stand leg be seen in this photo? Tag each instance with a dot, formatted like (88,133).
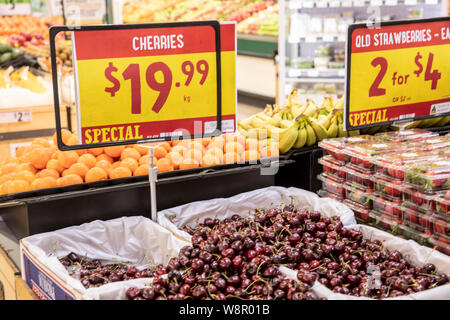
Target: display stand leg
(152,178)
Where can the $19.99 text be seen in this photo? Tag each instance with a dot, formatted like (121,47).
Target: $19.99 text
(132,73)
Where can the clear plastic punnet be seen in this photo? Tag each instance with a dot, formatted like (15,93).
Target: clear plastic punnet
(363,154)
(441,244)
(388,205)
(442,200)
(406,135)
(427,201)
(385,222)
(431,144)
(394,164)
(335,146)
(326,194)
(441,226)
(422,238)
(416,219)
(358,175)
(332,184)
(429,176)
(359,194)
(388,186)
(361,212)
(333,166)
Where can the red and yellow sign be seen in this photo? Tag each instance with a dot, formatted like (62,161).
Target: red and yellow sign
(397,71)
(149,83)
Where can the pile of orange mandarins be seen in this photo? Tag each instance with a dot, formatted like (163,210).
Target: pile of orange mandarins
(41,165)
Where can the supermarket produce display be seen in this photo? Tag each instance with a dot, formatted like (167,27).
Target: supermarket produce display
(392,180)
(243,255)
(42,166)
(259,17)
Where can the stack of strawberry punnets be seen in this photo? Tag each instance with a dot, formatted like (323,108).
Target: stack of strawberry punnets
(397,181)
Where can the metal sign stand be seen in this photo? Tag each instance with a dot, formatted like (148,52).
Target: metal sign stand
(152,179)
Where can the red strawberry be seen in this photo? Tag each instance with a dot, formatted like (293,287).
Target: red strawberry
(391,172)
(424,221)
(399,174)
(417,198)
(440,226)
(411,216)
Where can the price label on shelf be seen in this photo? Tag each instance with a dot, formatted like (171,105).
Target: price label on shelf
(140,83)
(376,2)
(410,2)
(15,117)
(399,70)
(431,1)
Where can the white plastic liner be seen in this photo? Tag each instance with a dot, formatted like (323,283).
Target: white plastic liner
(244,204)
(413,252)
(134,240)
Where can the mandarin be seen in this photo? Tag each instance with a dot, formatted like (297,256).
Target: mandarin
(159,152)
(79,169)
(142,150)
(48,173)
(175,158)
(39,157)
(231,157)
(130,163)
(55,165)
(142,170)
(130,153)
(67,158)
(114,151)
(189,164)
(69,179)
(120,172)
(105,165)
(250,155)
(44,183)
(25,175)
(164,165)
(88,159)
(234,147)
(210,160)
(95,151)
(96,174)
(104,156)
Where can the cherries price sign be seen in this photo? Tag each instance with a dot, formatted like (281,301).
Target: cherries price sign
(152,82)
(397,71)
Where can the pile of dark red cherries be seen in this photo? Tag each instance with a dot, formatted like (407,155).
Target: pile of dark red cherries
(239,258)
(92,273)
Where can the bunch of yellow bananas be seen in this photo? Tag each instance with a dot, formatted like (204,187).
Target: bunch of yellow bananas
(295,125)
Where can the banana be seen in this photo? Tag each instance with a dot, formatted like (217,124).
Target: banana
(428,123)
(286,123)
(311,108)
(264,117)
(257,123)
(311,135)
(319,130)
(302,135)
(340,104)
(242,130)
(444,121)
(275,120)
(273,131)
(243,125)
(332,130)
(288,138)
(413,124)
(326,122)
